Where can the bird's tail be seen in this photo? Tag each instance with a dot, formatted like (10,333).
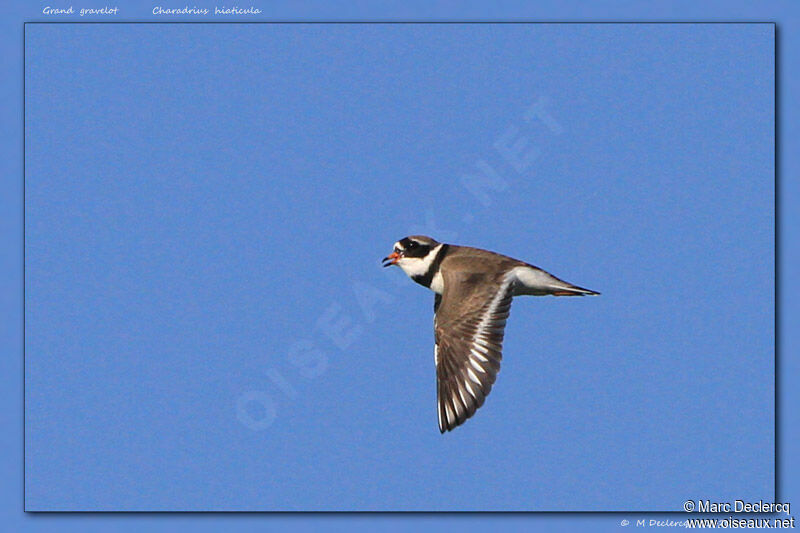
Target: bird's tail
(573,290)
(536,282)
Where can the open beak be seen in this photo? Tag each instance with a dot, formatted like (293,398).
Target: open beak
(391,259)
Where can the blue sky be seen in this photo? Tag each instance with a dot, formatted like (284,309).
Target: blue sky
(206,210)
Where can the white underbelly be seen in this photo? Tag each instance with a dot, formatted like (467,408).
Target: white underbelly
(437,283)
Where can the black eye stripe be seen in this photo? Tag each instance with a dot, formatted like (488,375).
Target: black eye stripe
(420,250)
(413,248)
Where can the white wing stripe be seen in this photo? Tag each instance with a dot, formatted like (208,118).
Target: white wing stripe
(469,389)
(458,408)
(479,356)
(476,366)
(485,325)
(461,393)
(450,417)
(477,347)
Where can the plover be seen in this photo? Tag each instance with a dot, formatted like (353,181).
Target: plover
(473,289)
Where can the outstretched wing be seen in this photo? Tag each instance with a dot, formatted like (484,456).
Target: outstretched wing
(470,320)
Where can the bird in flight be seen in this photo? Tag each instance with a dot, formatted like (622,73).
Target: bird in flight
(473,289)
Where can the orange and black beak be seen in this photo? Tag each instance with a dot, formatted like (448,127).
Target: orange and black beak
(391,259)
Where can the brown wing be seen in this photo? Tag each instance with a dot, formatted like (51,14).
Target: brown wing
(470,319)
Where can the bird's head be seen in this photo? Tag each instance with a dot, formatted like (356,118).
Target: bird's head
(412,254)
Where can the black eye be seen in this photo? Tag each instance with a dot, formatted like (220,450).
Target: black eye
(412,244)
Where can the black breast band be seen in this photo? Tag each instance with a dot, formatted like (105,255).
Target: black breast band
(427,278)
